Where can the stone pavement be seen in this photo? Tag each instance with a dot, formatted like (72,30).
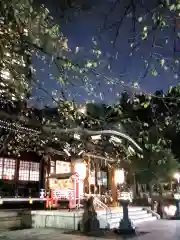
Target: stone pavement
(157,230)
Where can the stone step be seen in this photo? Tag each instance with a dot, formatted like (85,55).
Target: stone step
(8,214)
(9,220)
(135,222)
(113,214)
(130,209)
(120,214)
(134,217)
(141,220)
(120,210)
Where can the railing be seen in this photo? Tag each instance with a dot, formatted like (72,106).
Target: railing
(100,204)
(152,212)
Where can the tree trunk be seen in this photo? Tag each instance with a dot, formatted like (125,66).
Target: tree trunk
(150,190)
(134,186)
(161,190)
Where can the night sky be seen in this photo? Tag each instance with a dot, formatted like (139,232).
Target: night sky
(124,67)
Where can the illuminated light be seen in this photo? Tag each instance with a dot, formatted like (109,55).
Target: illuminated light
(115,139)
(177,196)
(7,54)
(30,201)
(96,137)
(119,176)
(81,152)
(5,72)
(66,151)
(125,196)
(170,210)
(82,110)
(77,136)
(1,202)
(177,176)
(131,150)
(80,169)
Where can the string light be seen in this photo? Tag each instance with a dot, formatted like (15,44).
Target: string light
(17,128)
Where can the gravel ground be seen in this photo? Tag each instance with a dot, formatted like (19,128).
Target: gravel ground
(162,229)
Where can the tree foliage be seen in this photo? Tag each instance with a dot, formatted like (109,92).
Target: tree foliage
(153,120)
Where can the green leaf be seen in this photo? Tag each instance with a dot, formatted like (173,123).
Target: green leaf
(154,73)
(146,105)
(162,61)
(170,89)
(178,6)
(172,7)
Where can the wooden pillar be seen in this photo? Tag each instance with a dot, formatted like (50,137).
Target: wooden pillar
(17,177)
(96,179)
(86,180)
(113,185)
(47,160)
(89,176)
(72,167)
(42,173)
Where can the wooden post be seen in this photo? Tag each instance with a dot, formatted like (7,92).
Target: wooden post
(17,176)
(42,173)
(89,175)
(113,185)
(47,160)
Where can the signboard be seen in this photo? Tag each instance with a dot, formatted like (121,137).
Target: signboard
(63,167)
(61,183)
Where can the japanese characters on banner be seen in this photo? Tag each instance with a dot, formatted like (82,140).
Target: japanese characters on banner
(63,167)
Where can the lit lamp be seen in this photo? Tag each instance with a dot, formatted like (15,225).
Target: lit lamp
(125,226)
(80,169)
(119,177)
(177,197)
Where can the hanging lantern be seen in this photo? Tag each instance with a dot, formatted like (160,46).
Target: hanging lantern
(80,169)
(119,176)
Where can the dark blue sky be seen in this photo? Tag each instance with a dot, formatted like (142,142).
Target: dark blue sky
(80,32)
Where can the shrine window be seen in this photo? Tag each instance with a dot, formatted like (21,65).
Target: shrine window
(34,171)
(7,168)
(28,171)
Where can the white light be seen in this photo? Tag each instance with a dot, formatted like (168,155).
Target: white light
(115,139)
(125,196)
(82,110)
(66,151)
(177,196)
(77,136)
(81,152)
(80,169)
(96,137)
(131,150)
(119,177)
(177,176)
(170,210)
